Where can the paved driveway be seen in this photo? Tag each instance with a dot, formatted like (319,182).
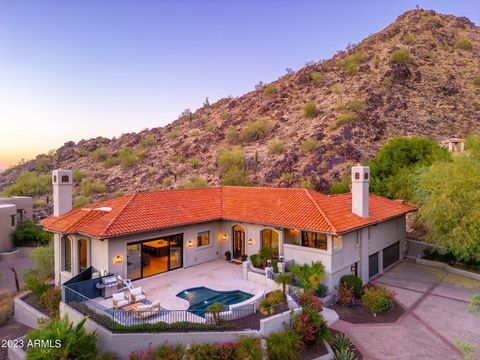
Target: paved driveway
(435,303)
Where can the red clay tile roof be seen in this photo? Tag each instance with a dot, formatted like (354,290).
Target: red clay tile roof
(285,207)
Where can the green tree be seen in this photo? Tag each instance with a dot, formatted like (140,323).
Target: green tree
(195,182)
(472,145)
(28,232)
(76,343)
(29,183)
(341,186)
(284,279)
(399,158)
(233,167)
(448,194)
(309,275)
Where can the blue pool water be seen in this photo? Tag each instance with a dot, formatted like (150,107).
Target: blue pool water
(200,298)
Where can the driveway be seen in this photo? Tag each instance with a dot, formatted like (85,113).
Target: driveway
(435,303)
(20,264)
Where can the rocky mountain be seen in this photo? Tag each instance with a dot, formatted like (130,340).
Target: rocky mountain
(419,76)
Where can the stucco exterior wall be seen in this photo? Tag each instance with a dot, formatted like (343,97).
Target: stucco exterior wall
(24,203)
(6,228)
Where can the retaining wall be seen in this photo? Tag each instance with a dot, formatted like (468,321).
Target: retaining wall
(446,267)
(26,314)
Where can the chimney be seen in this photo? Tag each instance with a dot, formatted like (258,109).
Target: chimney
(62,191)
(360,180)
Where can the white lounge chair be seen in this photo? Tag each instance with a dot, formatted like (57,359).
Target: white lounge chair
(125,282)
(120,300)
(137,295)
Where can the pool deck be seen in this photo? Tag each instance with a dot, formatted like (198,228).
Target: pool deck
(216,275)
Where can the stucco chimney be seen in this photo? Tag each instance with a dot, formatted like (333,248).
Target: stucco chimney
(62,191)
(360,181)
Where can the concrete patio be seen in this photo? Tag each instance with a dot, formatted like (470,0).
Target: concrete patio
(435,303)
(216,275)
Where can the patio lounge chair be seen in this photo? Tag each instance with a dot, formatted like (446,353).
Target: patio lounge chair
(137,294)
(145,311)
(127,283)
(120,300)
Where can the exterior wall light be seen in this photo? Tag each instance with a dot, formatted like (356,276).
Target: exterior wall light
(189,243)
(250,241)
(224,237)
(118,259)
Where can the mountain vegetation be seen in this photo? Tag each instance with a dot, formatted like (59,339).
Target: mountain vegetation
(417,77)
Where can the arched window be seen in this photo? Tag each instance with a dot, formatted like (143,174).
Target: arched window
(67,254)
(269,239)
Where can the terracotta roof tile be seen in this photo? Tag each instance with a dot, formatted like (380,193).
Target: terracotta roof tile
(285,207)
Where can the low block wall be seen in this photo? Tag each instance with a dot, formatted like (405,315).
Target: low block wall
(415,248)
(26,314)
(124,344)
(277,322)
(448,268)
(16,353)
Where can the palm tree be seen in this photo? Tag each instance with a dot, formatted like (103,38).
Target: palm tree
(284,279)
(309,275)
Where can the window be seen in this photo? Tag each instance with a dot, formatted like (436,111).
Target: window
(269,239)
(337,242)
(65,179)
(203,238)
(67,254)
(19,215)
(314,240)
(12,220)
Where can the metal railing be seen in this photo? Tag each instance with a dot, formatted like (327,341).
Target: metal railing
(157,319)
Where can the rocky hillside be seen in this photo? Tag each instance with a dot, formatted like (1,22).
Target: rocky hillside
(419,76)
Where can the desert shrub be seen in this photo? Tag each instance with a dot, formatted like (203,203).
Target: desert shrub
(28,232)
(401,56)
(256,130)
(310,110)
(91,188)
(148,141)
(236,176)
(387,82)
(167,181)
(6,305)
(35,283)
(78,175)
(269,305)
(276,146)
(343,119)
(169,352)
(233,167)
(350,64)
(336,88)
(111,162)
(39,203)
(186,115)
(306,183)
(129,158)
(232,135)
(176,158)
(346,295)
(51,300)
(353,282)
(341,342)
(249,348)
(310,327)
(42,163)
(100,154)
(341,186)
(172,135)
(287,176)
(355,105)
(476,81)
(321,291)
(195,182)
(211,351)
(316,77)
(75,342)
(81,200)
(194,133)
(283,346)
(344,354)
(269,90)
(195,162)
(309,145)
(464,44)
(377,299)
(310,301)
(410,39)
(29,183)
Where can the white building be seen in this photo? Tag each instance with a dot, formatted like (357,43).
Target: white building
(13,210)
(147,233)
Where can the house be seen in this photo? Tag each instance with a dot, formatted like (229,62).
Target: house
(13,210)
(454,145)
(147,233)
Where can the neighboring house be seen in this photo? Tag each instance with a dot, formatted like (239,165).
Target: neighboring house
(13,210)
(454,145)
(152,232)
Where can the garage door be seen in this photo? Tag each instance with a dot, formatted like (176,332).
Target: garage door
(373,265)
(391,254)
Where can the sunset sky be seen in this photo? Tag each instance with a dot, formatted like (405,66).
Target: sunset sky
(79,69)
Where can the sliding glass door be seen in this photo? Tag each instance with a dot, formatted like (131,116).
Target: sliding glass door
(154,256)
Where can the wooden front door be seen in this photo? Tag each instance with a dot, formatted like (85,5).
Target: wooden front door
(238,242)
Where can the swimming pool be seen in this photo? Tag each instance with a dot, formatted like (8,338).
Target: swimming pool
(200,298)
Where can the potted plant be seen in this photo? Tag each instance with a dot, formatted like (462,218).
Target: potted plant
(228,255)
